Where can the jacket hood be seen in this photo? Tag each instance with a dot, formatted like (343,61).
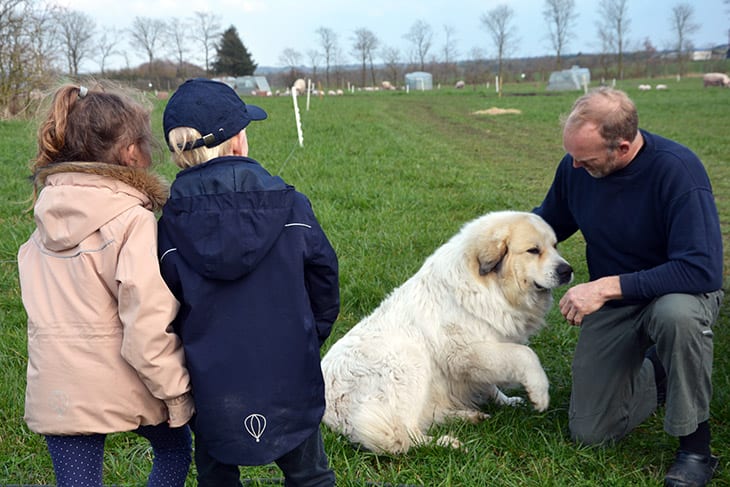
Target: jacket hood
(77,198)
(224,216)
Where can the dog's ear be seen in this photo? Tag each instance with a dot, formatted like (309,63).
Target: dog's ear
(490,254)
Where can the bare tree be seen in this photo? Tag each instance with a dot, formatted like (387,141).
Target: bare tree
(314,59)
(683,26)
(106,45)
(28,50)
(649,54)
(207,30)
(328,42)
(612,28)
(606,38)
(176,32)
(476,69)
(421,36)
(146,34)
(391,60)
(290,58)
(40,39)
(364,44)
(449,50)
(338,63)
(497,23)
(76,30)
(560,17)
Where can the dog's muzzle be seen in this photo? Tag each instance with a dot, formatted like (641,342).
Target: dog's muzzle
(565,273)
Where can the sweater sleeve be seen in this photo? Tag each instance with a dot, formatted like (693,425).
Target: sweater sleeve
(694,252)
(146,309)
(554,209)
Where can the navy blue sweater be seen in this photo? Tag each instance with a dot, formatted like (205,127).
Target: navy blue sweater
(257,280)
(653,223)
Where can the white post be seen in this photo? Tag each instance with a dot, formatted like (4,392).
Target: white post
(309,91)
(585,83)
(296,117)
(496,84)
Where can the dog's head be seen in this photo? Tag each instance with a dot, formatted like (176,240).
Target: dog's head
(518,249)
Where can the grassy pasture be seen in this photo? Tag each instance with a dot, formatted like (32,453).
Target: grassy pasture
(391,177)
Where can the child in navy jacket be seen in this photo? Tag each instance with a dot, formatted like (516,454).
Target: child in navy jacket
(257,280)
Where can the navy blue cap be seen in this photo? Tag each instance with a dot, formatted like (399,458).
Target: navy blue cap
(212,108)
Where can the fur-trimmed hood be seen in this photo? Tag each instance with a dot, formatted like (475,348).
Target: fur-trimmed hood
(78,198)
(155,187)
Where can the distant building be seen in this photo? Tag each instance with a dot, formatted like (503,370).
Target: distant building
(418,80)
(248,85)
(569,79)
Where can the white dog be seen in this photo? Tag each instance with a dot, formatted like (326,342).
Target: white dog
(440,344)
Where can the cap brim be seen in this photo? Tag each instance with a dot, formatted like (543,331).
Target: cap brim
(255,113)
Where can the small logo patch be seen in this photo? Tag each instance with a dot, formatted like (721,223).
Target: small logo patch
(255,425)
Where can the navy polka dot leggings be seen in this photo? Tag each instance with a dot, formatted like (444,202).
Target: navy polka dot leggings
(78,460)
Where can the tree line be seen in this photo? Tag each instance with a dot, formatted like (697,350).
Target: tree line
(40,41)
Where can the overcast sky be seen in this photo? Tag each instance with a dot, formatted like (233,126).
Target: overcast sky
(267,27)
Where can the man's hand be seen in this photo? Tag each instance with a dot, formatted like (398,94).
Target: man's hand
(586,298)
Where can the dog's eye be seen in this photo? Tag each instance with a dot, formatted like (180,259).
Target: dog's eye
(533,250)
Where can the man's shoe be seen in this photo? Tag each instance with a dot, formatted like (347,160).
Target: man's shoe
(690,470)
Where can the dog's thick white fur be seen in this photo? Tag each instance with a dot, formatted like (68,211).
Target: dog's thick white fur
(439,345)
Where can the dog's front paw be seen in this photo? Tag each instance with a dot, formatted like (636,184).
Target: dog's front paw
(540,401)
(537,388)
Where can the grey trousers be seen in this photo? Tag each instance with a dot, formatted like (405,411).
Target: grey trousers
(613,384)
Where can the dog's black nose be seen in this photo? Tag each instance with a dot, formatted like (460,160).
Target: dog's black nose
(565,273)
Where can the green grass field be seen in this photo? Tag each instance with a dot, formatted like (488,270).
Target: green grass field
(392,176)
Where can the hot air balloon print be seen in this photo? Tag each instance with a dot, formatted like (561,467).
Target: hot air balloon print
(255,425)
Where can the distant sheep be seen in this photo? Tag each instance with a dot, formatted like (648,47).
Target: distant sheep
(300,85)
(387,85)
(644,87)
(661,87)
(716,79)
(459,84)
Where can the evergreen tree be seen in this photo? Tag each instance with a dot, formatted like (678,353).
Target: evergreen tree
(232,57)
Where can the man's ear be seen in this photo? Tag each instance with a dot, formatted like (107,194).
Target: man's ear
(624,147)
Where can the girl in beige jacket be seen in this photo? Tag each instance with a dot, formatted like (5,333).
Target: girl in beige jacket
(102,356)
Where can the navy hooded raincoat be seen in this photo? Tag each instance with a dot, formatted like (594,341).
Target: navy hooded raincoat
(257,281)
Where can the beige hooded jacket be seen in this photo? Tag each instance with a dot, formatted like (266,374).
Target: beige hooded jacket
(102,356)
